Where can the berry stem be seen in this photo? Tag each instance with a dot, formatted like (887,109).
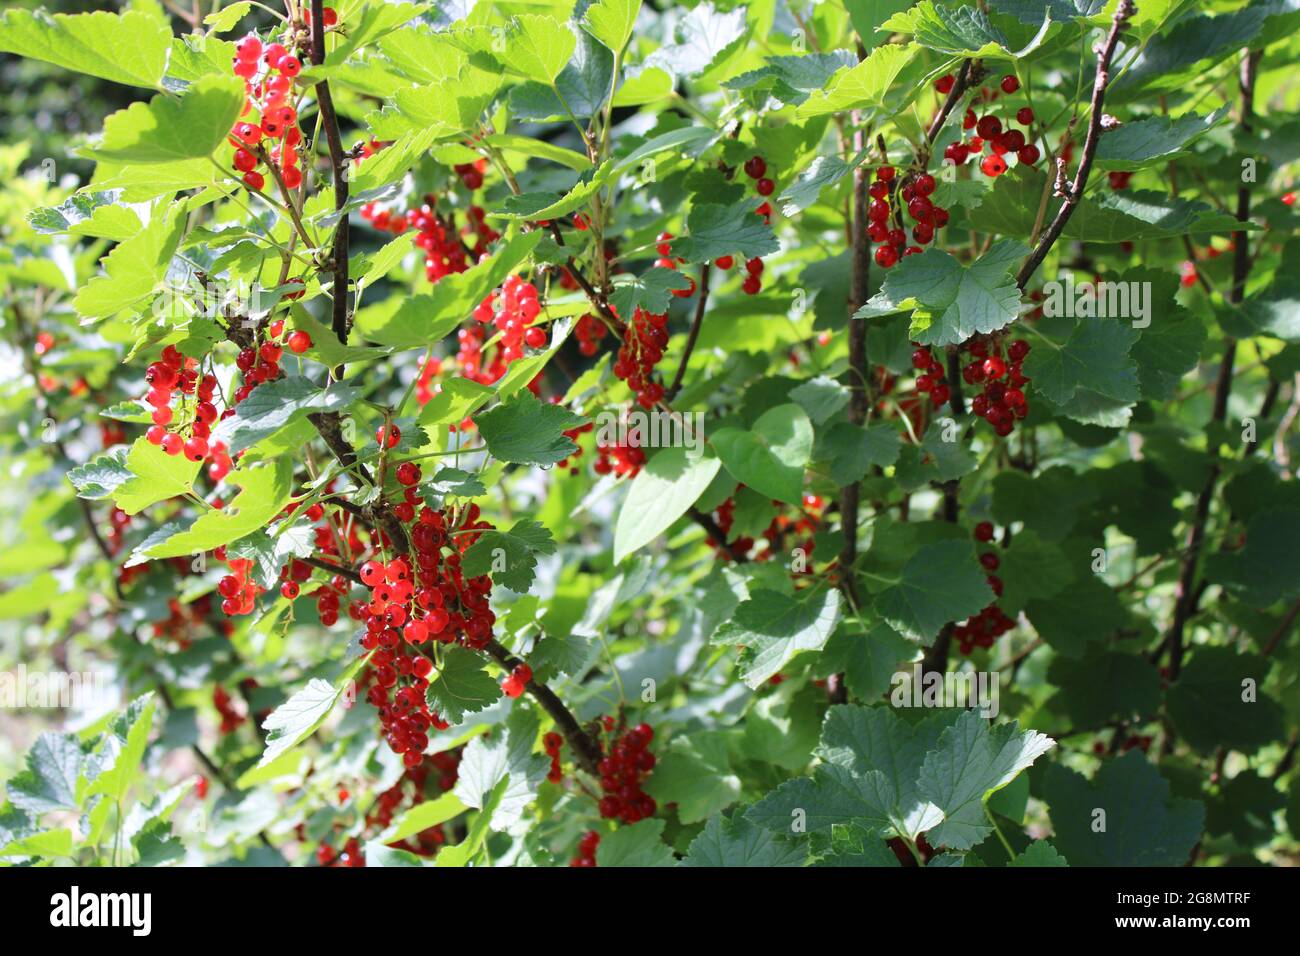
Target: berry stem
(1074,196)
(338,162)
(693,335)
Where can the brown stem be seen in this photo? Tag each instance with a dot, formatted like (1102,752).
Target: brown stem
(1186,592)
(693,335)
(338,163)
(586,750)
(1074,196)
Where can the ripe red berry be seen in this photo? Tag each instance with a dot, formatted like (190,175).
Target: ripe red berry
(924,184)
(372,573)
(1025,116)
(196,449)
(249,48)
(988,127)
(172,443)
(724,262)
(1028,154)
(289,66)
(388,436)
(1010,84)
(885,173)
(254,180)
(945,83)
(886,256)
(765,187)
(993,165)
(752,285)
(298,342)
(755,167)
(984,531)
(156,434)
(289,590)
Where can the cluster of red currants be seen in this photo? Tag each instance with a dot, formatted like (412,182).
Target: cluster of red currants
(1002,400)
(756,169)
(644,341)
(553,742)
(623,770)
(573,434)
(621,461)
(930,376)
(785,533)
(586,850)
(990,135)
(231,718)
(174,372)
(982,629)
(514,683)
(268,73)
(238,590)
(589,331)
(914,195)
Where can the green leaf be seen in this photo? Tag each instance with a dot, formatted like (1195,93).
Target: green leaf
(421,320)
(972,761)
(51,780)
(503,760)
(539,46)
(695,773)
(275,405)
(156,476)
(1171,346)
(1143,826)
(457,399)
(651,290)
(129,48)
(1218,701)
(509,556)
(170,128)
(1086,611)
(265,489)
(1106,686)
(959,31)
(1266,569)
(704,37)
(714,230)
(867,661)
(639,845)
(823,171)
(133,269)
(739,842)
(951,302)
(456,483)
(270,554)
(770,457)
(299,717)
(860,86)
(940,583)
(662,492)
(462,686)
(1039,853)
(1032,570)
(1153,141)
(1084,367)
(422,816)
(872,759)
(117,760)
(102,475)
(527,431)
(611,22)
(774,628)
(853,450)
(226,18)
